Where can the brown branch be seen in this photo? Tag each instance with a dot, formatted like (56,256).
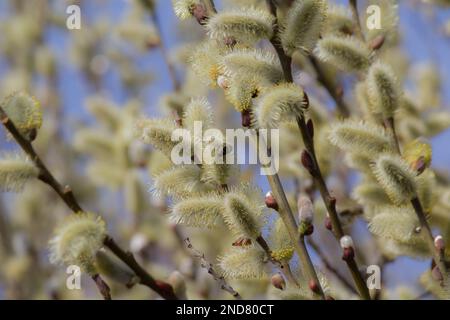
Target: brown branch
(358,28)
(283,266)
(209,267)
(330,87)
(66,194)
(330,267)
(330,202)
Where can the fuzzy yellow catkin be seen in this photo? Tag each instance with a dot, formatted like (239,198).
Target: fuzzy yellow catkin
(104,111)
(242,90)
(246,24)
(205,62)
(344,52)
(15,171)
(243,263)
(339,20)
(396,178)
(360,137)
(397,223)
(304,23)
(383,89)
(282,102)
(240,217)
(183,8)
(202,211)
(76,241)
(180,181)
(281,244)
(198,110)
(262,65)
(95,142)
(370,193)
(25,112)
(157,132)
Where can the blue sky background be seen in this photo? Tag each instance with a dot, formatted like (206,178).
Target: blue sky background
(421,40)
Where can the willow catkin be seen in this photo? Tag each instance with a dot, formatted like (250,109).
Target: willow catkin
(77,240)
(304,23)
(15,171)
(396,178)
(243,263)
(344,52)
(383,90)
(247,24)
(282,102)
(360,137)
(202,211)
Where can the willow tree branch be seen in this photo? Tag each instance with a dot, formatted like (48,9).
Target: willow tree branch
(330,87)
(330,267)
(358,28)
(283,266)
(316,173)
(418,208)
(209,267)
(66,194)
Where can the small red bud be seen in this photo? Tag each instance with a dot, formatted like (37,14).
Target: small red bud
(328,223)
(246,118)
(242,242)
(313,286)
(278,281)
(308,162)
(377,42)
(349,254)
(271,202)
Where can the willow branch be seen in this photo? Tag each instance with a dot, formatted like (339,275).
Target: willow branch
(418,208)
(330,267)
(66,194)
(209,267)
(316,173)
(331,88)
(283,266)
(358,28)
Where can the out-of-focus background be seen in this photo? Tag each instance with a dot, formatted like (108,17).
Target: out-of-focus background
(117,56)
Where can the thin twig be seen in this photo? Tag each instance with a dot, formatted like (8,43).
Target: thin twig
(66,194)
(330,202)
(209,267)
(283,266)
(329,266)
(332,90)
(418,208)
(358,28)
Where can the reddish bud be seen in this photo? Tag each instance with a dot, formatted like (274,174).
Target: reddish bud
(377,42)
(439,243)
(246,118)
(328,224)
(313,286)
(308,162)
(271,202)
(278,281)
(349,254)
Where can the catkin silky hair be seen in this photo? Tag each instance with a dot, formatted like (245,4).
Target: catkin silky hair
(304,23)
(344,52)
(245,24)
